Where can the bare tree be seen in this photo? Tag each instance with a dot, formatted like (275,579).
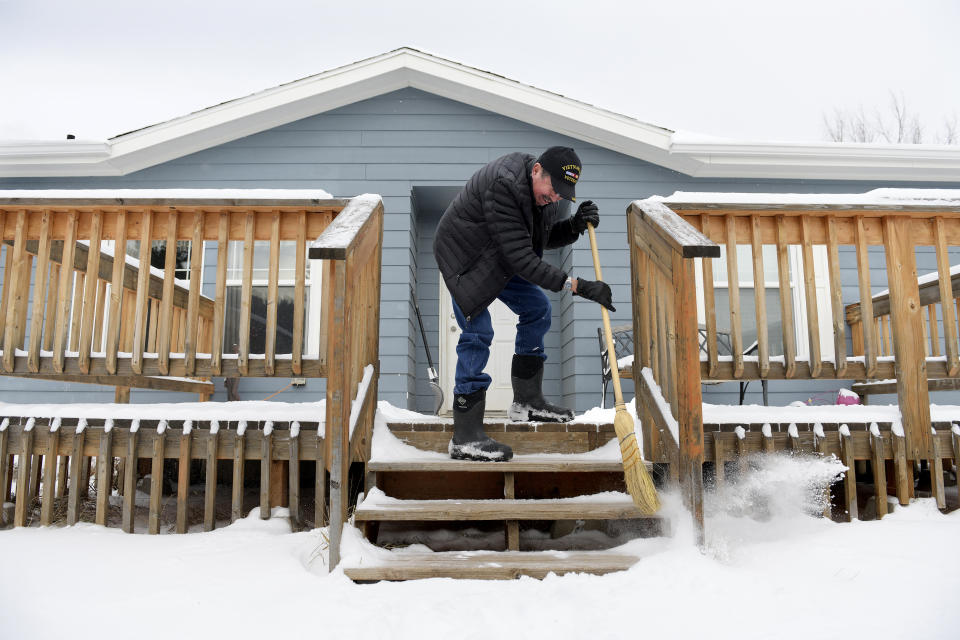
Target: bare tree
(950,134)
(897,125)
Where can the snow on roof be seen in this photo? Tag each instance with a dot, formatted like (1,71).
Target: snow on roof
(877,197)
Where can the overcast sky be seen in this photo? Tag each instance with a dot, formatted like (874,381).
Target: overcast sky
(748,69)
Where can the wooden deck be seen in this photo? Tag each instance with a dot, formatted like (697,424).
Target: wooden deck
(75,307)
(908,334)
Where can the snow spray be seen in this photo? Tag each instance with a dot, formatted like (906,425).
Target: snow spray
(774,497)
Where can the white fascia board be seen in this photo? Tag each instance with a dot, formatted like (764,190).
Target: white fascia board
(33,158)
(831,161)
(232,121)
(379,76)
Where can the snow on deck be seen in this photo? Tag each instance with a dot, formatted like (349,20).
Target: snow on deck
(388,447)
(878,197)
(251,410)
(167,194)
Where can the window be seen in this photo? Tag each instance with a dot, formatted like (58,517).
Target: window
(158,255)
(285,304)
(772,297)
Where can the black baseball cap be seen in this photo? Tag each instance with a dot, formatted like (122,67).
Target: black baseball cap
(563,166)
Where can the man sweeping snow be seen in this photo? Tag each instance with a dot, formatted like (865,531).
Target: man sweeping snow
(489,244)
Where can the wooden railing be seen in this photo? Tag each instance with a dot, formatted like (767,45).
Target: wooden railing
(805,229)
(663,249)
(143,324)
(938,320)
(94,318)
(51,463)
(911,340)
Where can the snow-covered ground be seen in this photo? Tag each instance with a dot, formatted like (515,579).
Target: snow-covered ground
(792,576)
(770,570)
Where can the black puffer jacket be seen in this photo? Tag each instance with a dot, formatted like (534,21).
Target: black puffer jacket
(493,231)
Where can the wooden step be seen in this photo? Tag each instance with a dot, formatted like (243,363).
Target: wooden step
(504,509)
(524,437)
(496,565)
(531,463)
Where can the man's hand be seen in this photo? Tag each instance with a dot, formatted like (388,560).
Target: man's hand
(586,212)
(598,291)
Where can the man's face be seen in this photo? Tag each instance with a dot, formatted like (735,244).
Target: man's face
(543,193)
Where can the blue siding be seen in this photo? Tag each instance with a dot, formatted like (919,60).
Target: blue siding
(409,138)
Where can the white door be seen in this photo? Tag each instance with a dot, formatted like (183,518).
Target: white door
(500,393)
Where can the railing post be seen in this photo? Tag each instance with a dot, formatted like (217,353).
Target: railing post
(668,245)
(344,245)
(905,315)
(641,335)
(338,411)
(689,398)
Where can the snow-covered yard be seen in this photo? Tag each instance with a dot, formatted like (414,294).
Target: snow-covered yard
(771,571)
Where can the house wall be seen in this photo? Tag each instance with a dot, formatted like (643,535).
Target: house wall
(405,139)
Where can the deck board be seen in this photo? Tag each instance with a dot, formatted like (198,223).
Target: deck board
(541,464)
(504,565)
(500,509)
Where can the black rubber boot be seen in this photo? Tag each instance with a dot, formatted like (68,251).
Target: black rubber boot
(469,441)
(529,404)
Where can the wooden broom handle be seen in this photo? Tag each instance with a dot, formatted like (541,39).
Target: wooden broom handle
(608,334)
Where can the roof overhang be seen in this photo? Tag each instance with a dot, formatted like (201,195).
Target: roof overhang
(410,68)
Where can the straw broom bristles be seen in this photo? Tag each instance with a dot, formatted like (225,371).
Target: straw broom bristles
(639,482)
(637,478)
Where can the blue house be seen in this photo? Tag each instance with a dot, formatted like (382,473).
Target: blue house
(413,127)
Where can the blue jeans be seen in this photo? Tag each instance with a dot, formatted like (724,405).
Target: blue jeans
(534,310)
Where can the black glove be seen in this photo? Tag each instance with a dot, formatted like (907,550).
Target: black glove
(598,291)
(586,212)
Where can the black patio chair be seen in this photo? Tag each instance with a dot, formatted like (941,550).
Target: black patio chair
(623,345)
(724,348)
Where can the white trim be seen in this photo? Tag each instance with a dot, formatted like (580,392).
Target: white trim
(693,155)
(820,160)
(447,355)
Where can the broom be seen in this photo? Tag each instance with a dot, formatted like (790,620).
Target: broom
(639,482)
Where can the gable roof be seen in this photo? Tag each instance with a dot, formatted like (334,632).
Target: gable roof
(405,67)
